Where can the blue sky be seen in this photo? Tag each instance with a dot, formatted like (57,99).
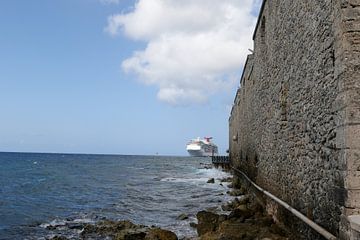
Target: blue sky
(71,80)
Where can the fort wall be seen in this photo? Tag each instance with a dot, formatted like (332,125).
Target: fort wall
(295,123)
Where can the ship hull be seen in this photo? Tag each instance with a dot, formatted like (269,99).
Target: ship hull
(202,150)
(200,153)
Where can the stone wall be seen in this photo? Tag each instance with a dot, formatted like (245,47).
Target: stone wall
(295,123)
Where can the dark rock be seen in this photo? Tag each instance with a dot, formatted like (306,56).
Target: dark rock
(236,192)
(207,222)
(160,234)
(243,199)
(211,180)
(240,213)
(59,238)
(228,179)
(266,221)
(182,216)
(125,230)
(222,218)
(132,235)
(193,225)
(75,226)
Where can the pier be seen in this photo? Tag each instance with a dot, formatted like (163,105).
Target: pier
(221,161)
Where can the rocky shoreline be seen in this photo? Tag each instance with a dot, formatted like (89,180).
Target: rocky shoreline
(242,218)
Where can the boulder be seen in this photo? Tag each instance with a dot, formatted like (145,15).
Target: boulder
(160,234)
(228,179)
(241,213)
(59,238)
(193,225)
(207,222)
(182,216)
(236,192)
(211,180)
(125,230)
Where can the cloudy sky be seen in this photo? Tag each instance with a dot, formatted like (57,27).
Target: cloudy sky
(120,76)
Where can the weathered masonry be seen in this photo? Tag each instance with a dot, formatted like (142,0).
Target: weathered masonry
(295,122)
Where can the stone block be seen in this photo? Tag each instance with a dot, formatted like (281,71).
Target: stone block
(348,137)
(352,159)
(340,137)
(354,221)
(352,180)
(351,211)
(352,133)
(352,199)
(352,114)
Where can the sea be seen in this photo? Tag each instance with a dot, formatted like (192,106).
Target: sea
(46,195)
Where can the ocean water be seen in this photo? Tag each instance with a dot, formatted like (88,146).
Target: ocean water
(43,195)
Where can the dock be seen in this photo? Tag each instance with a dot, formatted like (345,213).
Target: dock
(221,161)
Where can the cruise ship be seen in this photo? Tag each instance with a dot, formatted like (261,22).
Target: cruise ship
(202,147)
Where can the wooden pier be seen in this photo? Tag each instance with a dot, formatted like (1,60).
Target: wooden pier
(221,161)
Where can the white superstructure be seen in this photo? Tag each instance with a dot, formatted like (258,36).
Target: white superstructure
(202,147)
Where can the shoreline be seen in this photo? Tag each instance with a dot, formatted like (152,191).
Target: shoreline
(241,218)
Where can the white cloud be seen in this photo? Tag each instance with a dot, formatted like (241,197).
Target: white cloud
(195,48)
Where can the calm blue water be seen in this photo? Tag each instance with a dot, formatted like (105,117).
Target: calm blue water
(42,194)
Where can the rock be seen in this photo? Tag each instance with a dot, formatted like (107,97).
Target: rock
(182,216)
(59,238)
(193,225)
(207,222)
(266,221)
(211,180)
(242,207)
(228,179)
(125,230)
(160,234)
(226,207)
(132,235)
(240,213)
(222,218)
(243,199)
(211,209)
(236,192)
(75,226)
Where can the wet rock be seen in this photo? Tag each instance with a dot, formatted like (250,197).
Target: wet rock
(211,209)
(125,230)
(75,226)
(222,218)
(207,222)
(160,234)
(229,206)
(228,179)
(182,216)
(266,221)
(240,214)
(243,199)
(193,225)
(132,235)
(236,192)
(59,238)
(211,180)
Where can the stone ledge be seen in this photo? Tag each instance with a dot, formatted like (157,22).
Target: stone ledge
(354,221)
